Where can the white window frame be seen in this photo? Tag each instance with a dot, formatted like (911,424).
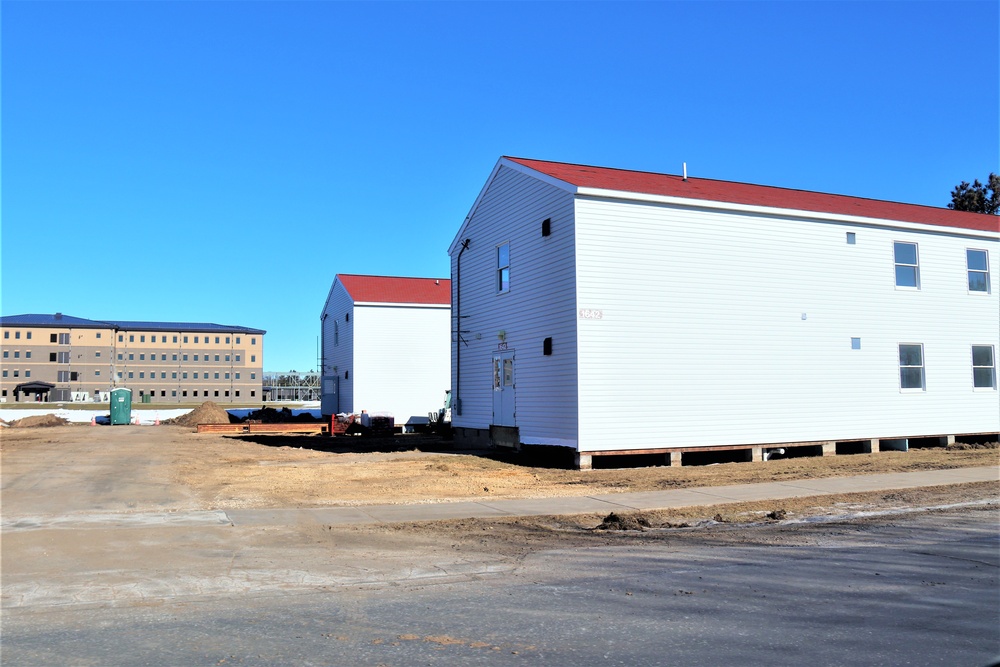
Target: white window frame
(992,369)
(502,269)
(922,366)
(915,266)
(984,272)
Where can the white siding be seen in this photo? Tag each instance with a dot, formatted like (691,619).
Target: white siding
(539,305)
(401,363)
(338,343)
(727,328)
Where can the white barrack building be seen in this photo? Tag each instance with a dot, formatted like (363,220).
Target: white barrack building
(614,311)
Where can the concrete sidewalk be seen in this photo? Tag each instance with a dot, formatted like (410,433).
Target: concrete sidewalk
(615,502)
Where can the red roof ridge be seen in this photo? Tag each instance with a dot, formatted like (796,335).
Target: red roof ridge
(396,289)
(735,192)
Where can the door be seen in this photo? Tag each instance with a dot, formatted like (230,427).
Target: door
(503,388)
(330,397)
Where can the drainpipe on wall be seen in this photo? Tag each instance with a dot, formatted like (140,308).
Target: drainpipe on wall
(458,328)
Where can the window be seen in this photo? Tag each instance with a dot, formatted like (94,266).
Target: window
(173,375)
(120,357)
(184,357)
(173,357)
(237,391)
(216,376)
(184,393)
(17,354)
(336,333)
(163,357)
(503,268)
(253,358)
(142,339)
(911,366)
(130,375)
(253,341)
(253,376)
(27,374)
(5,372)
(984,370)
(96,355)
(74,376)
(237,340)
(173,392)
(194,376)
(227,392)
(5,354)
(142,357)
(163,375)
(546,226)
(979,270)
(237,376)
(131,356)
(227,340)
(142,375)
(131,338)
(28,335)
(855,343)
(62,376)
(64,339)
(196,357)
(27,355)
(216,357)
(227,357)
(163,392)
(63,357)
(195,339)
(52,337)
(184,376)
(216,342)
(227,376)
(185,340)
(852,238)
(17,373)
(253,393)
(120,338)
(237,358)
(119,375)
(17,335)
(175,339)
(6,334)
(216,392)
(907,267)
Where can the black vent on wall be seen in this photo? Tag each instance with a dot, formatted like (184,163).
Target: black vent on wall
(547,346)
(546,226)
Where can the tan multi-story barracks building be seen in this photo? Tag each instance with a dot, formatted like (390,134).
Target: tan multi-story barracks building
(63,358)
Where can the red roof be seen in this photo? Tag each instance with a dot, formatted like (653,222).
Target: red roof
(389,289)
(756,195)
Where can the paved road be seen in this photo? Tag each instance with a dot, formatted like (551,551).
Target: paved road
(920,591)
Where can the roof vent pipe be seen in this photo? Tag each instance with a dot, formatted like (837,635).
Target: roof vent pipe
(685,170)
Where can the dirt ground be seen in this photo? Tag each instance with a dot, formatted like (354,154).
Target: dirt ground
(316,471)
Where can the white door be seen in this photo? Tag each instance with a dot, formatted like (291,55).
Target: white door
(503,388)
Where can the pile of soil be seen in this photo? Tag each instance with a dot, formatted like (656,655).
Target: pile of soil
(617,522)
(38,420)
(282,416)
(208,412)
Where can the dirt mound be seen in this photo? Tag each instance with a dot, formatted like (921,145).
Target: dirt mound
(959,446)
(208,412)
(39,420)
(615,522)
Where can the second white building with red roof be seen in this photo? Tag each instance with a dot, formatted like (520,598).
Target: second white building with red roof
(385,346)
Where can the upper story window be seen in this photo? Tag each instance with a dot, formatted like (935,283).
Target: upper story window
(984,368)
(907,266)
(503,268)
(336,333)
(979,270)
(911,366)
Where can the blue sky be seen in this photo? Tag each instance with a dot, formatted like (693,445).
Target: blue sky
(222,161)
